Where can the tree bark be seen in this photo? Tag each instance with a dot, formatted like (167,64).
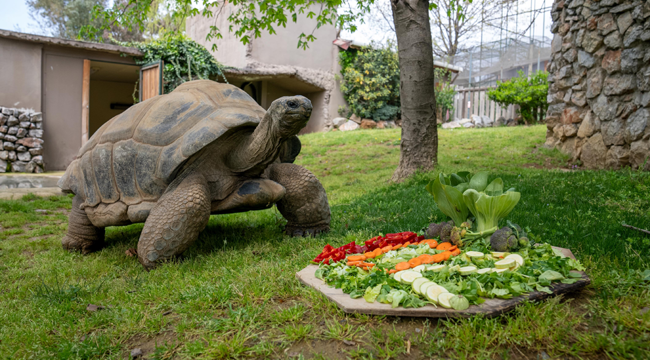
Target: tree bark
(419,147)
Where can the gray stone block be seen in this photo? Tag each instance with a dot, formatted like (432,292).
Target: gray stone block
(21,148)
(4,129)
(36,151)
(624,21)
(10,138)
(25,124)
(21,133)
(38,160)
(37,117)
(12,156)
(3,166)
(636,125)
(4,155)
(8,145)
(36,133)
(24,156)
(18,166)
(12,121)
(12,130)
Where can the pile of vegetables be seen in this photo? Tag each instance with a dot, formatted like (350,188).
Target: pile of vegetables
(407,277)
(456,263)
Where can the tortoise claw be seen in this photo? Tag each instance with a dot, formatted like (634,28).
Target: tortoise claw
(306,231)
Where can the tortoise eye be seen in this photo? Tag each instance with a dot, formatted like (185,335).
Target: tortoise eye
(292,104)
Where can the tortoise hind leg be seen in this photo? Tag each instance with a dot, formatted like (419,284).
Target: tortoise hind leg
(305,204)
(175,221)
(82,234)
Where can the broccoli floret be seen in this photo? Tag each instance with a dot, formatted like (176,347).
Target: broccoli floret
(524,242)
(503,240)
(445,231)
(466,225)
(455,236)
(434,230)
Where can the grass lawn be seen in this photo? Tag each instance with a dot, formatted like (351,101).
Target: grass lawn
(234,294)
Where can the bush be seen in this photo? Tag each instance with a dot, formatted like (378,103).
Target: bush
(183,58)
(528,93)
(370,83)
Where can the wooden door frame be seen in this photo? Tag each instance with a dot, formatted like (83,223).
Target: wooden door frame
(85,102)
(150,65)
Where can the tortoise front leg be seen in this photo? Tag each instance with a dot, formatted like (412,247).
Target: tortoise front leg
(175,221)
(82,234)
(305,204)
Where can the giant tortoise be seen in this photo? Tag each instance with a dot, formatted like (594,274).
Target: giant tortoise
(171,161)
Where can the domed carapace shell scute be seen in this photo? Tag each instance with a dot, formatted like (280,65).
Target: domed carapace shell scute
(135,155)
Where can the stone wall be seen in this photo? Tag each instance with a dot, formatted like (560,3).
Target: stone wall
(599,82)
(21,144)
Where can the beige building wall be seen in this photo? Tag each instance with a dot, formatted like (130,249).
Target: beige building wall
(62,92)
(231,52)
(20,74)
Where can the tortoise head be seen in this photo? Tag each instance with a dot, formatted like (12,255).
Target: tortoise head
(290,114)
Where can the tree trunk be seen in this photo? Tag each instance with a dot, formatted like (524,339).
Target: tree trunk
(419,147)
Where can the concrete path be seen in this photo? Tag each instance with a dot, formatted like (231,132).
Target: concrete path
(16,185)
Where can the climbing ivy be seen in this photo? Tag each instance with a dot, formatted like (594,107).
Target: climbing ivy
(183,58)
(527,92)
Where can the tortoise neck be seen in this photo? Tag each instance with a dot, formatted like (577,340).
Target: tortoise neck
(259,149)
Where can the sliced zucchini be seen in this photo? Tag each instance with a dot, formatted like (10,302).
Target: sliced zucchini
(517,258)
(425,286)
(417,282)
(484,271)
(467,270)
(499,255)
(443,300)
(434,291)
(419,268)
(505,264)
(499,271)
(436,268)
(409,276)
(475,254)
(398,276)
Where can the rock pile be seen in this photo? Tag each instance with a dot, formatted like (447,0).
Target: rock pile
(599,82)
(21,144)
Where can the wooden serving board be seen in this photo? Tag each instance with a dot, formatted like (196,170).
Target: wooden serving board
(491,307)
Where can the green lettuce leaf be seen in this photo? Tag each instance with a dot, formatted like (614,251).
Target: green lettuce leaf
(551,275)
(449,200)
(372,293)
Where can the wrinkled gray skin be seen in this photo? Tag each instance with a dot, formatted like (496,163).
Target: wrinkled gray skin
(241,171)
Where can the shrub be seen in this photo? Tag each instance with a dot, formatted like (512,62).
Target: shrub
(444,92)
(370,83)
(528,93)
(183,58)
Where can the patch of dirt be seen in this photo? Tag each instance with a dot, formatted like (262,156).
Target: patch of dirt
(148,344)
(327,349)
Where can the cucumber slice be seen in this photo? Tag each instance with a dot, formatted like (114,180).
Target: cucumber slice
(416,284)
(474,254)
(505,264)
(425,286)
(499,271)
(419,268)
(436,268)
(434,291)
(467,270)
(409,276)
(499,255)
(517,258)
(443,300)
(398,276)
(484,271)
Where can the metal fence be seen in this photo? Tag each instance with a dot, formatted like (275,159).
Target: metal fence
(474,101)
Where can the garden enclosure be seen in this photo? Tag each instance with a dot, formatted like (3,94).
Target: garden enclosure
(475,101)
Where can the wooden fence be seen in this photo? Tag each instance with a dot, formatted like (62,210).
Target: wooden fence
(474,101)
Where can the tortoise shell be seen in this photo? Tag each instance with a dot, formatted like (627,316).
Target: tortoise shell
(135,155)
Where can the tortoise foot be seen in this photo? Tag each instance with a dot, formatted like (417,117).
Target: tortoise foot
(296,230)
(82,235)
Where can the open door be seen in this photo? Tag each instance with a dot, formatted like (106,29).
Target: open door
(151,76)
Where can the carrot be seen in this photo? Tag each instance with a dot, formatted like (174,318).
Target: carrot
(378,252)
(443,246)
(356,258)
(354,263)
(392,271)
(446,255)
(415,262)
(365,264)
(455,252)
(386,249)
(432,243)
(438,258)
(407,244)
(397,247)
(427,259)
(453,248)
(402,266)
(369,255)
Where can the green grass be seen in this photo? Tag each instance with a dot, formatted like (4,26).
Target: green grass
(233,294)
